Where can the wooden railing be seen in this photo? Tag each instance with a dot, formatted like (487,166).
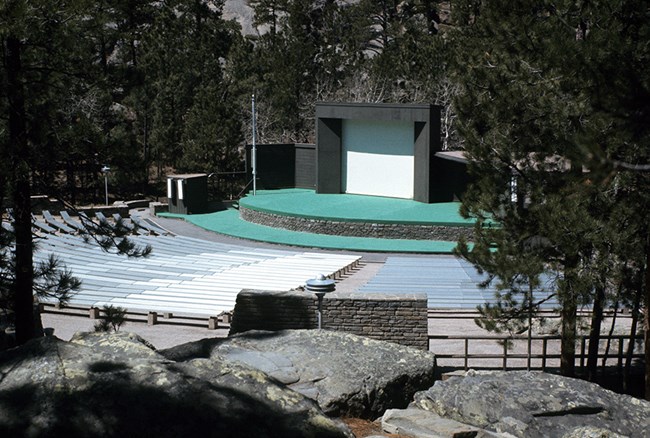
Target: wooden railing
(547,314)
(513,352)
(230,185)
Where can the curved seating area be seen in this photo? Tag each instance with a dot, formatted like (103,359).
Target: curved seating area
(189,276)
(183,275)
(448,281)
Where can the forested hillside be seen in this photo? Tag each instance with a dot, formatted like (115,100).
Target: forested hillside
(148,86)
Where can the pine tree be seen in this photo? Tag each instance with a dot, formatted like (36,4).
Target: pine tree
(551,101)
(45,70)
(211,136)
(183,58)
(299,57)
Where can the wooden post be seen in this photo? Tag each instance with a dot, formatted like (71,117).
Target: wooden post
(466,352)
(620,351)
(93,313)
(213,323)
(152,318)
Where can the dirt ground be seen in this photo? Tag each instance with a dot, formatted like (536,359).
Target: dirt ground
(364,428)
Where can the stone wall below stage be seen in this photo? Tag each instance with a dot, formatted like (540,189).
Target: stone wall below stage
(396,318)
(357,229)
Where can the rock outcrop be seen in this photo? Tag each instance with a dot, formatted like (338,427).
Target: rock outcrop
(414,422)
(268,384)
(520,404)
(346,374)
(107,385)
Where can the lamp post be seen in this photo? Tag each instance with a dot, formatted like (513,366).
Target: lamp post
(320,286)
(105,170)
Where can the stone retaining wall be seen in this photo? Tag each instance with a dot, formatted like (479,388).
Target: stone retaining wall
(396,318)
(158,207)
(54,206)
(357,229)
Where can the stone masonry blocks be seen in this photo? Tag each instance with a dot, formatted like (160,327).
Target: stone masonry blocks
(357,229)
(397,318)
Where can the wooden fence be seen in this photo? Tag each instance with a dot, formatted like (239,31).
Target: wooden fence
(512,352)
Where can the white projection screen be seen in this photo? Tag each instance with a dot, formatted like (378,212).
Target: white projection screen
(377,158)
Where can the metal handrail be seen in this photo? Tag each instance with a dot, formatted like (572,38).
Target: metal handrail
(245,187)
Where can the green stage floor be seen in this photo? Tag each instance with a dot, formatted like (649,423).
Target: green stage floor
(306,203)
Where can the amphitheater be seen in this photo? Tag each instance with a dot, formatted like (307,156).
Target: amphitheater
(197,268)
(191,271)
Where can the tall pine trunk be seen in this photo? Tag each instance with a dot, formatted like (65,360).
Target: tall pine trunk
(613,324)
(632,338)
(18,149)
(594,333)
(568,314)
(646,319)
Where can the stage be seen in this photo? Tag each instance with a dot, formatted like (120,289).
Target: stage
(286,216)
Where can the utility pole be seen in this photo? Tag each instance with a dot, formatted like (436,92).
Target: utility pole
(254,149)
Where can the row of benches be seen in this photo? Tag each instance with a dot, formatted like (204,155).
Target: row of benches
(448,281)
(184,275)
(65,223)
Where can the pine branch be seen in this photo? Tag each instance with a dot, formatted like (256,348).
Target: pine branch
(630,166)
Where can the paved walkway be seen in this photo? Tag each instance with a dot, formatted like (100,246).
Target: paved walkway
(180,225)
(355,208)
(161,336)
(229,223)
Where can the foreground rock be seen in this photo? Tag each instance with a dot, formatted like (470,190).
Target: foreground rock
(414,422)
(346,374)
(105,385)
(521,404)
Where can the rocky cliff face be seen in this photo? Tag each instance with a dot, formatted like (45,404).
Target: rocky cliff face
(242,13)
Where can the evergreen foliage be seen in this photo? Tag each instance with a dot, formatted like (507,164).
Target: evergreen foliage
(550,103)
(112,319)
(48,99)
